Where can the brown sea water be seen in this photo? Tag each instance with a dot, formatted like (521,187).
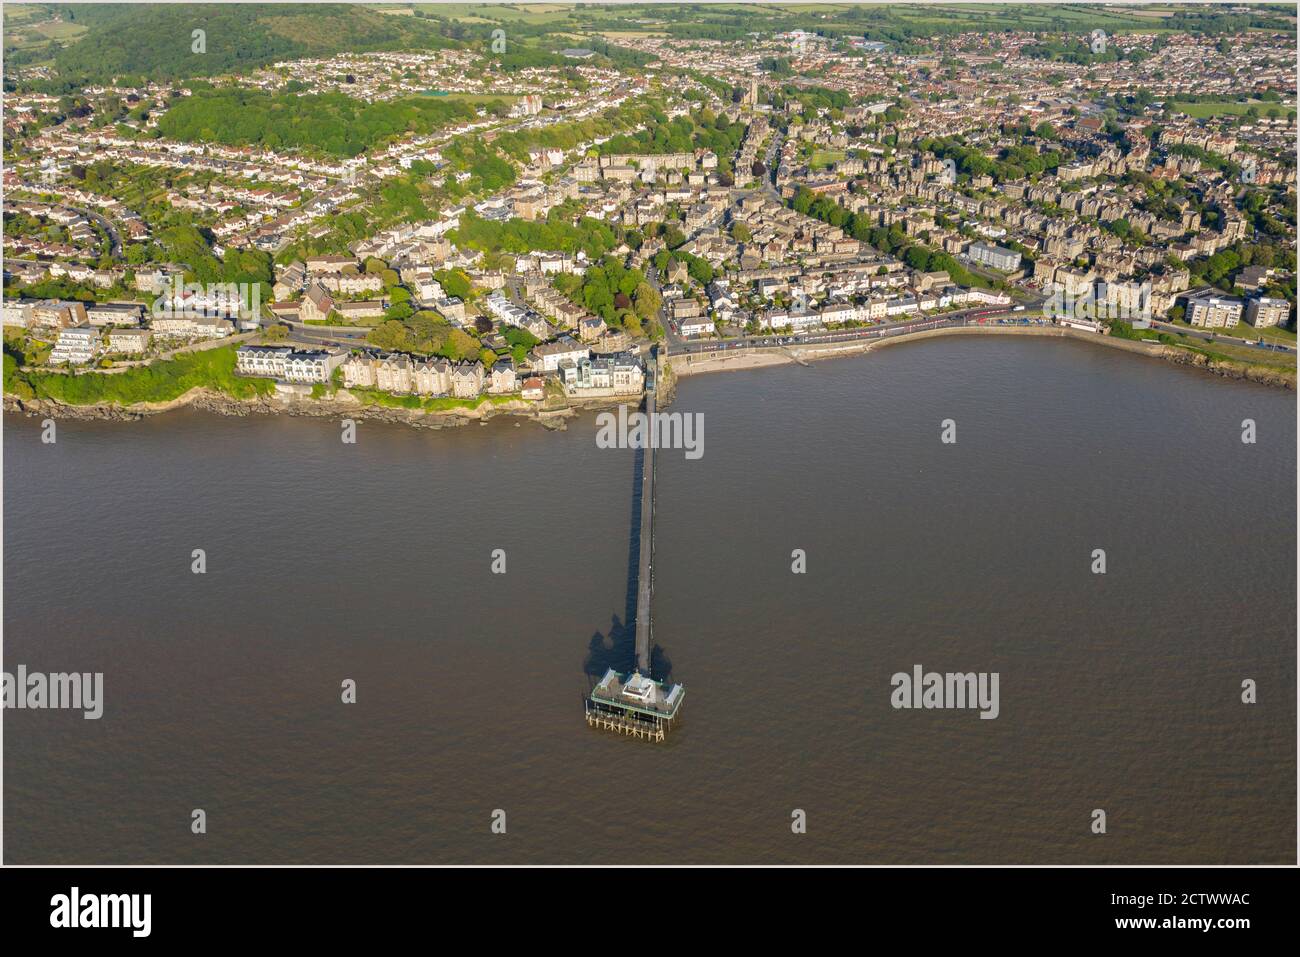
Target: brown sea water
(372,561)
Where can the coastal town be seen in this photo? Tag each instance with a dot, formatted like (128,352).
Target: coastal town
(359,360)
(532,218)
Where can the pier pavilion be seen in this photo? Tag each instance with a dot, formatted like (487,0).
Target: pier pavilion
(636,704)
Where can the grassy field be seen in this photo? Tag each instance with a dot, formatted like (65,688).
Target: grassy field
(532,13)
(1275,334)
(156,382)
(1244,331)
(1250,355)
(976,15)
(27,26)
(1202,111)
(823,158)
(474,99)
(59,30)
(20,13)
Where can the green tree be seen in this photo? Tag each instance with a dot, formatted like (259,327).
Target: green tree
(648,300)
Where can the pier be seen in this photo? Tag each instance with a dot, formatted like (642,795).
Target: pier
(637,704)
(645,565)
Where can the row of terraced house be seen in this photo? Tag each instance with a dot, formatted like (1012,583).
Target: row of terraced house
(404,374)
(395,372)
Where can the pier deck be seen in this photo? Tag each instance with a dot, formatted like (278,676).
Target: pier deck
(645,565)
(636,704)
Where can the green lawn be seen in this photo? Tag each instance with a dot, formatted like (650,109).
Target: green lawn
(473,99)
(1245,331)
(1275,334)
(157,382)
(1250,355)
(60,30)
(532,13)
(822,158)
(1203,111)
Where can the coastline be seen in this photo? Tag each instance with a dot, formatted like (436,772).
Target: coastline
(341,406)
(344,405)
(686,365)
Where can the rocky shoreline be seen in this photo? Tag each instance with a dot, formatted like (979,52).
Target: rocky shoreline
(555,417)
(341,406)
(1232,370)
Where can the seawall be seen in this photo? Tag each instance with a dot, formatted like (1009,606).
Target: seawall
(684,365)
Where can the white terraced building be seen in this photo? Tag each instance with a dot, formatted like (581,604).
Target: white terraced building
(77,345)
(266,361)
(287,364)
(783,319)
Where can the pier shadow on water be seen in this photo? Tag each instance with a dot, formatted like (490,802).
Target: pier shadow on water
(616,646)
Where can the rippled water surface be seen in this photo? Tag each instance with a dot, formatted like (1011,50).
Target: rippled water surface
(372,562)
